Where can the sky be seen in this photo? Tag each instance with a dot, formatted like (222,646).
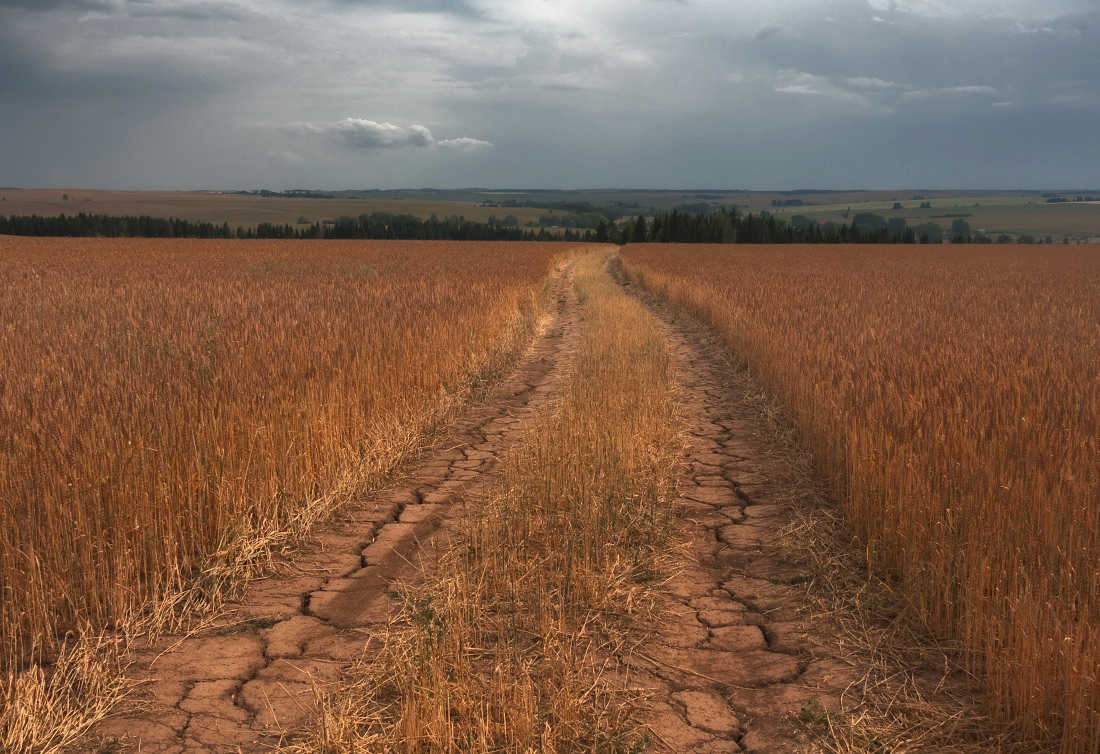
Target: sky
(703,94)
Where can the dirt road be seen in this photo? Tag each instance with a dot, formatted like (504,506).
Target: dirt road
(243,682)
(733,668)
(738,666)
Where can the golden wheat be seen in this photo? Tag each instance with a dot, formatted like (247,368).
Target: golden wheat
(170,410)
(953,398)
(504,644)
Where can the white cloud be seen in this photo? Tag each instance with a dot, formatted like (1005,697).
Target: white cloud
(369,134)
(983,91)
(802,83)
(971,90)
(1017,9)
(465,144)
(933,8)
(798,89)
(866,82)
(360,133)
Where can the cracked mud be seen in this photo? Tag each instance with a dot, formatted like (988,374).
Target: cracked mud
(729,670)
(246,682)
(736,660)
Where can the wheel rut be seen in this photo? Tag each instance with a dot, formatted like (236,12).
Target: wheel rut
(248,680)
(737,661)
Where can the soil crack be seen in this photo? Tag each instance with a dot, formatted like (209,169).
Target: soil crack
(738,659)
(246,682)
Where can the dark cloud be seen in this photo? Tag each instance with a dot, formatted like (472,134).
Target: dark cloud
(202,93)
(194,12)
(53,5)
(456,7)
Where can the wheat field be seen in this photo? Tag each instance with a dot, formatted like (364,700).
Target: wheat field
(953,400)
(171,411)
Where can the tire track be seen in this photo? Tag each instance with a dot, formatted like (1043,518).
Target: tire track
(737,666)
(245,683)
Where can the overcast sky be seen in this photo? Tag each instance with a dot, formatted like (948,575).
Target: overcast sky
(550,93)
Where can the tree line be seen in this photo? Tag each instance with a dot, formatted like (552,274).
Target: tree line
(130,226)
(717,226)
(729,226)
(378,225)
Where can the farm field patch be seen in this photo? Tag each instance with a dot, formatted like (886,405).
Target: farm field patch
(1079,221)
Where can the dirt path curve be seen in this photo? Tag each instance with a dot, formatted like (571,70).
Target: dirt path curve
(738,661)
(243,683)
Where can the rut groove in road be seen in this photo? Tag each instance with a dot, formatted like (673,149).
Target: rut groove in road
(244,683)
(737,658)
(729,670)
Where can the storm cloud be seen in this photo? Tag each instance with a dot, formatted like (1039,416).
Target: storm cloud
(691,93)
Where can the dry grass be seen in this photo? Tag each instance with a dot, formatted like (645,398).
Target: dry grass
(174,411)
(952,399)
(913,695)
(46,709)
(507,645)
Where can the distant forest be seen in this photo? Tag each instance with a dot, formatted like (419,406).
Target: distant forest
(730,226)
(717,227)
(378,225)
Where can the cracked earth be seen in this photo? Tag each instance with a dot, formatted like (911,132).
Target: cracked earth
(247,681)
(729,671)
(737,659)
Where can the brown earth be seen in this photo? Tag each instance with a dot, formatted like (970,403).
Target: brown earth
(245,682)
(737,666)
(733,668)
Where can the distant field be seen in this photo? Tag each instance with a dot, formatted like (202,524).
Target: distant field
(240,209)
(1014,215)
(993,212)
